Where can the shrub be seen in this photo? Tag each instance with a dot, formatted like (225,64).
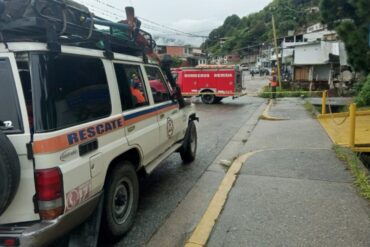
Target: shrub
(363,98)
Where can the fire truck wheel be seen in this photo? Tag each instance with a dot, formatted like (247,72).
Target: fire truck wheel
(189,148)
(120,201)
(218,99)
(9,172)
(208,98)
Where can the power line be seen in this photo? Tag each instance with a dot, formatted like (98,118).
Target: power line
(165,32)
(172,29)
(203,31)
(111,15)
(106,12)
(118,14)
(108,5)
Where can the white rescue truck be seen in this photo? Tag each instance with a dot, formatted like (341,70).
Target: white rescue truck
(79,122)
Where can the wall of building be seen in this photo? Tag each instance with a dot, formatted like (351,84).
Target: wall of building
(309,54)
(321,72)
(176,51)
(312,72)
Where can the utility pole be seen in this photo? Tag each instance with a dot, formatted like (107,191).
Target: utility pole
(276,51)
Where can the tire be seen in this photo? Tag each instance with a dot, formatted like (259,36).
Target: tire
(189,149)
(218,100)
(121,201)
(208,98)
(10,172)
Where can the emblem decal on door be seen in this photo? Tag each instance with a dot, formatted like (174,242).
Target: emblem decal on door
(69,154)
(78,195)
(170,127)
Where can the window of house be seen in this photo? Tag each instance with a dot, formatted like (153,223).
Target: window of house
(299,38)
(131,86)
(158,85)
(68,90)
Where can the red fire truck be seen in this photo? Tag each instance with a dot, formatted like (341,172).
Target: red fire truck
(212,82)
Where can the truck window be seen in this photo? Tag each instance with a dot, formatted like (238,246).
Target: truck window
(131,86)
(68,90)
(158,85)
(10,116)
(25,76)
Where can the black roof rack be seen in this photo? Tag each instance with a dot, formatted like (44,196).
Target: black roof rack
(114,37)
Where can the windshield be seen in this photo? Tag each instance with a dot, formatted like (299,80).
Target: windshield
(10,117)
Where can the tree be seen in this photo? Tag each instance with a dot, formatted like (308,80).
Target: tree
(256,27)
(176,61)
(232,21)
(350,18)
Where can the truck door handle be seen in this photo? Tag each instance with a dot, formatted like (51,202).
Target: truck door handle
(161,116)
(131,128)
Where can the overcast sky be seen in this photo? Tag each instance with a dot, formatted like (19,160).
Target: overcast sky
(191,16)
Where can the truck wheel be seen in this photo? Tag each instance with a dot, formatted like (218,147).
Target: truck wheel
(121,201)
(10,171)
(218,99)
(189,148)
(208,98)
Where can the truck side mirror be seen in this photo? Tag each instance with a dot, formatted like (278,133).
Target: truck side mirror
(166,64)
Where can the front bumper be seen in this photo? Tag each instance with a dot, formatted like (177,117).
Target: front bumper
(44,232)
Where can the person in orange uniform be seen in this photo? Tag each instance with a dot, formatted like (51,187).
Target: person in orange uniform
(273,84)
(135,90)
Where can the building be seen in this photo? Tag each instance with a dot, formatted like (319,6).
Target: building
(225,59)
(318,62)
(316,27)
(191,56)
(257,56)
(289,44)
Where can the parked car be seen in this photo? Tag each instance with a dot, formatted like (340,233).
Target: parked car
(244,67)
(264,71)
(254,70)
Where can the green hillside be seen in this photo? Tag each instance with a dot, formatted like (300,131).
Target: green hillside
(256,28)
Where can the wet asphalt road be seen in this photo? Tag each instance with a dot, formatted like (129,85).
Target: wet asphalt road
(165,188)
(168,185)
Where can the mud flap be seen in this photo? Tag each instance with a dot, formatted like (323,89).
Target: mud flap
(87,234)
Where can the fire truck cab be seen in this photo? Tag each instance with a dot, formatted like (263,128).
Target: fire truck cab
(211,82)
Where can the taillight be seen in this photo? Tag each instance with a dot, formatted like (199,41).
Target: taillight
(8,241)
(49,188)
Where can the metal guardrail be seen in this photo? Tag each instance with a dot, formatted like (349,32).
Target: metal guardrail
(352,117)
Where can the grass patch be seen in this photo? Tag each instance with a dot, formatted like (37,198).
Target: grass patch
(310,108)
(360,174)
(367,108)
(286,93)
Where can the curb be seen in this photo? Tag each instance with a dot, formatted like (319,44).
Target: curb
(204,228)
(266,116)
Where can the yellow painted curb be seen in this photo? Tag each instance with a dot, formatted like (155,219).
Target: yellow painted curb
(204,228)
(266,116)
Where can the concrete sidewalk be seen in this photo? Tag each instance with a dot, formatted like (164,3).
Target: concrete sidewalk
(294,191)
